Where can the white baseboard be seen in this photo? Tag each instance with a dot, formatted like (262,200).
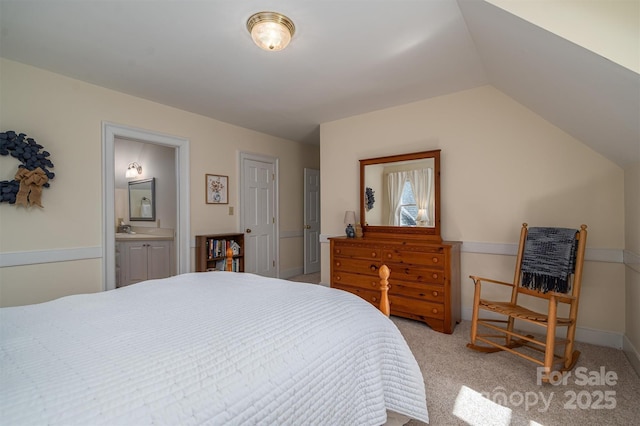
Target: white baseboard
(599,337)
(583,334)
(632,354)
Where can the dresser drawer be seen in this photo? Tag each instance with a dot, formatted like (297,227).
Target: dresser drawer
(358,266)
(418,273)
(372,297)
(367,282)
(434,259)
(418,307)
(347,250)
(427,292)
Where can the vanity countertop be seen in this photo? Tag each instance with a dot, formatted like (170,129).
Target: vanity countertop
(136,236)
(146,233)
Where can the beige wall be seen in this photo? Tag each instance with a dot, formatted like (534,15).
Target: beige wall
(501,165)
(65,116)
(632,256)
(609,28)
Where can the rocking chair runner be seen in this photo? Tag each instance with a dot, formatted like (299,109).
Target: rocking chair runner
(547,260)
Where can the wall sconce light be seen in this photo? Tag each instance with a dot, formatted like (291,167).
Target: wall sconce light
(133,170)
(349,220)
(270,30)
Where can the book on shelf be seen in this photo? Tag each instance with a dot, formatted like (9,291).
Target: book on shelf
(218,248)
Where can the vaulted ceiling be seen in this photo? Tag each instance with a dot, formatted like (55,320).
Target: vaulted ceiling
(347,57)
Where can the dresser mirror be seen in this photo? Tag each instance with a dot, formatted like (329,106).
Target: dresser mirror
(142,199)
(400,195)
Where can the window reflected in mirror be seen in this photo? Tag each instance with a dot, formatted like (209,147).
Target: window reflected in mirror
(406,195)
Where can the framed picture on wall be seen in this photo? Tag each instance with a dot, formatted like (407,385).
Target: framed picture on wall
(217,189)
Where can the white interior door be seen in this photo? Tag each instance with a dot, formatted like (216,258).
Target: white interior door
(259,215)
(311,221)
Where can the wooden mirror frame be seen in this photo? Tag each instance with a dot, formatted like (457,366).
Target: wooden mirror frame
(403,232)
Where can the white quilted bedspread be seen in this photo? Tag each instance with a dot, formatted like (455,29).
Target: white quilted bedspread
(215,348)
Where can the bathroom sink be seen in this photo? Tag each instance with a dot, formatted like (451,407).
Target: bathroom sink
(126,235)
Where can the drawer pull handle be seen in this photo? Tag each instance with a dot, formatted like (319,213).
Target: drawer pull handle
(389,256)
(435,293)
(373,254)
(373,268)
(434,310)
(374,284)
(435,276)
(375,299)
(338,251)
(338,277)
(435,260)
(338,264)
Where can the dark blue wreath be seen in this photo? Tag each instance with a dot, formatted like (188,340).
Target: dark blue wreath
(28,152)
(370,198)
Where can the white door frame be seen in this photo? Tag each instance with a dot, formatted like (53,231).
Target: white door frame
(276,203)
(183,241)
(314,227)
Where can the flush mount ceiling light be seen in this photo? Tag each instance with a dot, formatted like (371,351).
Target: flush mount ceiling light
(270,30)
(134,169)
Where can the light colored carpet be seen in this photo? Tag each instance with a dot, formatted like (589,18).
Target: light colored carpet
(463,384)
(458,381)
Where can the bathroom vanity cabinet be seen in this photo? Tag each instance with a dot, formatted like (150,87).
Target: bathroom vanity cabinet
(139,259)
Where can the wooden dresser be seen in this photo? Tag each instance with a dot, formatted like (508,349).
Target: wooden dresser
(424,281)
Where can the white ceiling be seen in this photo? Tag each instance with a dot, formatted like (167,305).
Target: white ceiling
(347,57)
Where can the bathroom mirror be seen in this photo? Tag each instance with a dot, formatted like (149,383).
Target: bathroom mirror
(400,194)
(142,199)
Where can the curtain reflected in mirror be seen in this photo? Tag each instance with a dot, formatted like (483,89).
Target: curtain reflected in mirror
(404,192)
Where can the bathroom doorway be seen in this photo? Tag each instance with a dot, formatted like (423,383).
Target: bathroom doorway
(152,161)
(139,139)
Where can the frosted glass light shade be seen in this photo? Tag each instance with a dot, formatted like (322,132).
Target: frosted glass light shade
(270,30)
(133,170)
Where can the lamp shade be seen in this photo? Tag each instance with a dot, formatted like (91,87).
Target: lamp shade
(349,217)
(422,217)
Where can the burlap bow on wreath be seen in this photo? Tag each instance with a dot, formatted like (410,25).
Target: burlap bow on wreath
(32,175)
(31,182)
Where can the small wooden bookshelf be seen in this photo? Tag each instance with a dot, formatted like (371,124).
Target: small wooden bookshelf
(211,252)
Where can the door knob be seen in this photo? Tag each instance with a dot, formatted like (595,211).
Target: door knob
(248,231)
(307,227)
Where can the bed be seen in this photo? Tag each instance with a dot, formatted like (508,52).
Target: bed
(217,348)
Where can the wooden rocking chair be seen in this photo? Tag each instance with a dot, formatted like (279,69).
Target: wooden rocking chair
(537,252)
